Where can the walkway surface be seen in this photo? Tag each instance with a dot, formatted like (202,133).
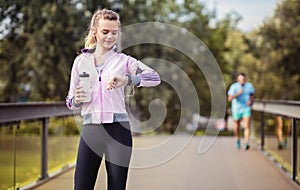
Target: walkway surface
(221,167)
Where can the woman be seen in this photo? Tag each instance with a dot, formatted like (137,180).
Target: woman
(106,129)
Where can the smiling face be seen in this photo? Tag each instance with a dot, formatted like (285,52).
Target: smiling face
(107,33)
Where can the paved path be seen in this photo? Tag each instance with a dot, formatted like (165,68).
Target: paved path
(222,167)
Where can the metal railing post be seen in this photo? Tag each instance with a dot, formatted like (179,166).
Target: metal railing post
(12,113)
(15,157)
(44,161)
(262,131)
(294,149)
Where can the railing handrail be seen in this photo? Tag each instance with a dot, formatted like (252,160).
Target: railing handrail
(290,109)
(278,107)
(10,112)
(286,102)
(15,112)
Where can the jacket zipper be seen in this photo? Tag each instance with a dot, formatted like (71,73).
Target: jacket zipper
(101,99)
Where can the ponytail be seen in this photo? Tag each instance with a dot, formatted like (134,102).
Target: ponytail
(90,41)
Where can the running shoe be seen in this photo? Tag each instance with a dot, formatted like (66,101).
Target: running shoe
(285,143)
(247,146)
(238,144)
(280,145)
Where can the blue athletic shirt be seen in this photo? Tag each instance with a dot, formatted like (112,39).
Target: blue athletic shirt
(239,104)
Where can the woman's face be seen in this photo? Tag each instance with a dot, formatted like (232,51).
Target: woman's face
(107,33)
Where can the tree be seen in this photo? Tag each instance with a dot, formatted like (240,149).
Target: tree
(10,18)
(280,36)
(192,16)
(43,41)
(48,38)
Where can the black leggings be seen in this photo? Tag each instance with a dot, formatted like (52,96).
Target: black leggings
(113,140)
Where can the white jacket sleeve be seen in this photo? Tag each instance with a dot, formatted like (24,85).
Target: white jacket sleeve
(148,77)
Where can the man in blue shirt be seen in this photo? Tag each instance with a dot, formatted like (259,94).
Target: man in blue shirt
(241,93)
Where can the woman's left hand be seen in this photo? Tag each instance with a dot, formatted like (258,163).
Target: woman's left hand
(116,82)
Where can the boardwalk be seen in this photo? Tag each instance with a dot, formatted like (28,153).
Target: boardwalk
(222,167)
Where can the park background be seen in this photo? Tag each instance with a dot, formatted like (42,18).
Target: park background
(40,39)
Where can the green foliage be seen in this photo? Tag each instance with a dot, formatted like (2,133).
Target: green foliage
(38,47)
(278,41)
(56,126)
(268,55)
(193,16)
(63,126)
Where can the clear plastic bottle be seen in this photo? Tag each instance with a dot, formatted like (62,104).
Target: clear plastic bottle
(86,85)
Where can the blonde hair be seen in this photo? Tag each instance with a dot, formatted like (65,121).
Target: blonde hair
(90,40)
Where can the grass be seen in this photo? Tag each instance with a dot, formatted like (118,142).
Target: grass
(61,151)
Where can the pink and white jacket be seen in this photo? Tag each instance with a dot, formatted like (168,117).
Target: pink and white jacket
(105,103)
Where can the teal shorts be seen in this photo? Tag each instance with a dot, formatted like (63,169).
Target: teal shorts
(241,115)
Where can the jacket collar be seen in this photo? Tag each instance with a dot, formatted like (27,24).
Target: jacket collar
(92,50)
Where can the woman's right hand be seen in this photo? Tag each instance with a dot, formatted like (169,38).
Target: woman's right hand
(79,95)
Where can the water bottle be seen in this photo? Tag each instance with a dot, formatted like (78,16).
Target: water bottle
(86,85)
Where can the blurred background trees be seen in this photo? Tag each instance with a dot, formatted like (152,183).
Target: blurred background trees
(40,39)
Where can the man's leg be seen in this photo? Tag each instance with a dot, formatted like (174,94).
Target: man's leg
(279,126)
(236,131)
(247,132)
